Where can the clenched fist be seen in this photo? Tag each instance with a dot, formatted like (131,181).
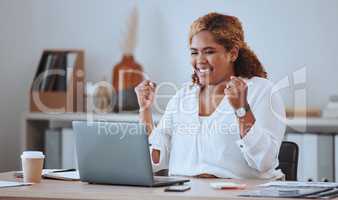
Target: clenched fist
(145,92)
(236,92)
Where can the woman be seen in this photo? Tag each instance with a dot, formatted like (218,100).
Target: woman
(229,122)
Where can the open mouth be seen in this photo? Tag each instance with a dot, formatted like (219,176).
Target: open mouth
(204,71)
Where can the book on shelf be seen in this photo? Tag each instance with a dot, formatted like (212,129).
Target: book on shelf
(60,66)
(49,78)
(55,70)
(41,67)
(71,61)
(47,64)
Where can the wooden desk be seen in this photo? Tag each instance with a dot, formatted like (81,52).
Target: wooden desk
(54,189)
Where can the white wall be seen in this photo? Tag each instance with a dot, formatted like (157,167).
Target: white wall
(286,35)
(16,63)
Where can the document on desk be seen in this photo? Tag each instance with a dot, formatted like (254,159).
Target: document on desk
(4,184)
(275,192)
(58,174)
(294,189)
(300,184)
(66,176)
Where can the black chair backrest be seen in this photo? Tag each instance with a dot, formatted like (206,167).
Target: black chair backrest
(288,160)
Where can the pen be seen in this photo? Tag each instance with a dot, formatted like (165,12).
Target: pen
(64,170)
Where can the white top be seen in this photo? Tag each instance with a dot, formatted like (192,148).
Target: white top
(191,145)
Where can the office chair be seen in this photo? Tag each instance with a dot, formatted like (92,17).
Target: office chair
(288,160)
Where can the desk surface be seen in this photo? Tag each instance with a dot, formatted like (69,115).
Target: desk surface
(54,189)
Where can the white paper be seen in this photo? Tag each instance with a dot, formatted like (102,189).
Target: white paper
(71,176)
(225,185)
(299,184)
(4,184)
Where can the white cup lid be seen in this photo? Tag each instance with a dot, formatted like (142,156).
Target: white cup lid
(32,154)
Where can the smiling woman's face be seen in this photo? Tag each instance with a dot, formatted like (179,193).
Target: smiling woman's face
(210,60)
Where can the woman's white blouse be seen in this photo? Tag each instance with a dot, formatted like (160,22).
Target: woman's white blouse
(190,145)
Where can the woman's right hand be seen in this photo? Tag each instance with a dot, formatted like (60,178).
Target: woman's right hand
(145,92)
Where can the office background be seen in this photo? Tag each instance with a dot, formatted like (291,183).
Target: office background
(287,36)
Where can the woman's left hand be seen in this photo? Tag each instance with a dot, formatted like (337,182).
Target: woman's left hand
(236,91)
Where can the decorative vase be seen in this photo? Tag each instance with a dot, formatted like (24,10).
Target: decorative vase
(126,76)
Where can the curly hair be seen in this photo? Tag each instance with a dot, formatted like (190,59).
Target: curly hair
(228,32)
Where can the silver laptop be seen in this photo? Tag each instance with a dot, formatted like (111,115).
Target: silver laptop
(116,153)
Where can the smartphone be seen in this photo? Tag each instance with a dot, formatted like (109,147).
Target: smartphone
(177,188)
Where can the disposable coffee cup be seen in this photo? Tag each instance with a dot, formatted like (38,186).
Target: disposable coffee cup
(32,163)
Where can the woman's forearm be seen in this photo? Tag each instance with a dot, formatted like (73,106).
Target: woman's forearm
(147,118)
(246,123)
